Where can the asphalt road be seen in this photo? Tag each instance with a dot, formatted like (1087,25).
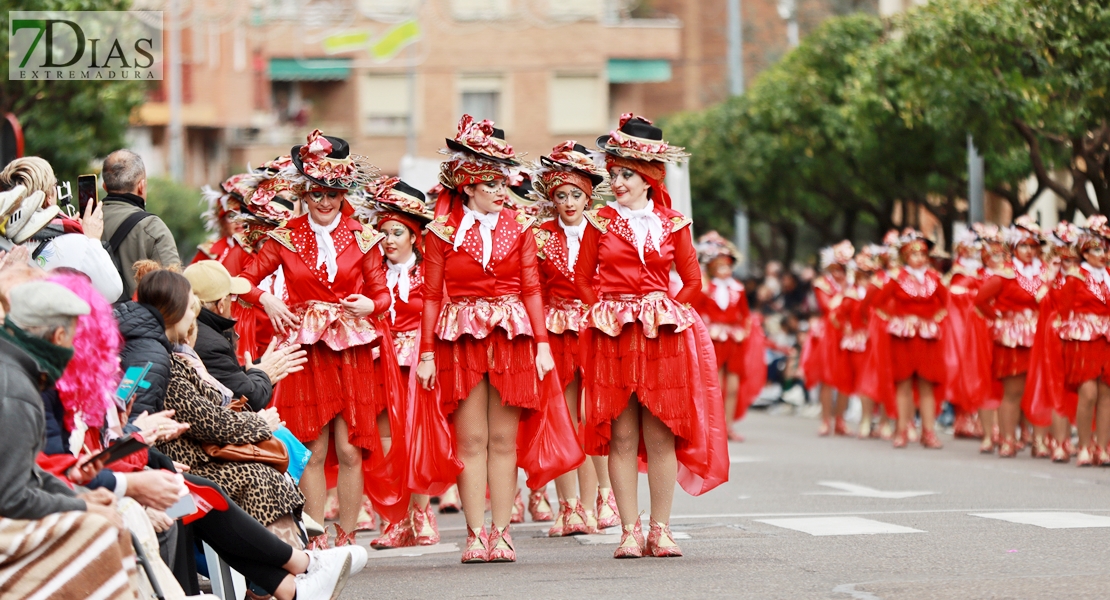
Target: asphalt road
(893,524)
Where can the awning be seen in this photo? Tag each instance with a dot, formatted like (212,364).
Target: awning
(309,69)
(624,70)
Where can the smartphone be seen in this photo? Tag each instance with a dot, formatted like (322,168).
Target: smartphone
(126,446)
(86,192)
(184,507)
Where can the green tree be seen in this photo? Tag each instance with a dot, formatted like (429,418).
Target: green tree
(69,123)
(180,207)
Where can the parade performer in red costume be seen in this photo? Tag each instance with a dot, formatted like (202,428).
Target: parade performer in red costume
(336,295)
(968,348)
(823,358)
(1010,300)
(737,335)
(852,318)
(913,306)
(400,214)
(1046,387)
(651,382)
(484,347)
(994,256)
(564,183)
(221,218)
(1084,326)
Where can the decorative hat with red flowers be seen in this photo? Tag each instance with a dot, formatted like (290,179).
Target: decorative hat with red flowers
(1023,231)
(712,245)
(867,259)
(326,161)
(839,254)
(638,145)
(393,199)
(568,163)
(479,153)
(228,199)
(1095,234)
(912,241)
(1064,239)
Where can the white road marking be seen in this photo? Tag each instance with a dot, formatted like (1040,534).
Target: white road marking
(413,551)
(862,491)
(1050,520)
(821,526)
(850,589)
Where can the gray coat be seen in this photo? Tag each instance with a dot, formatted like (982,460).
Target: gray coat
(149,240)
(26,491)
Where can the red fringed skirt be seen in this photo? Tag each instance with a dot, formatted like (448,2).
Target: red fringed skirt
(1086,360)
(347,383)
(654,369)
(1009,362)
(510,364)
(565,351)
(917,356)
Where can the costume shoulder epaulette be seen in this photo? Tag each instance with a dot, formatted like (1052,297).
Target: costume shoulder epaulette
(1076,272)
(680,221)
(206,249)
(284,237)
(823,285)
(524,220)
(542,235)
(597,220)
(1006,272)
(368,238)
(441,229)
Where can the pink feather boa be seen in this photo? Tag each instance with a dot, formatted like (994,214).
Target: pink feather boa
(90,379)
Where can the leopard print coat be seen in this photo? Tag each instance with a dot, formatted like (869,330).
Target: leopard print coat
(259,489)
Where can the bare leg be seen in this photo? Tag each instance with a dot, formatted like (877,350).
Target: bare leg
(988,417)
(826,397)
(420,501)
(350,476)
(623,468)
(472,435)
(1102,415)
(904,397)
(1085,411)
(1009,413)
(867,409)
(730,386)
(928,404)
(1061,428)
(662,466)
(383,430)
(313,483)
(601,468)
(501,470)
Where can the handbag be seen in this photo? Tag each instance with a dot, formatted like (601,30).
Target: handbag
(268,452)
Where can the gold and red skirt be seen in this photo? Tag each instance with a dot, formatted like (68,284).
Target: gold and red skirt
(729,346)
(1085,361)
(478,337)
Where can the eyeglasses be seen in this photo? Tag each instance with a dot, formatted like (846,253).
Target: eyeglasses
(316,196)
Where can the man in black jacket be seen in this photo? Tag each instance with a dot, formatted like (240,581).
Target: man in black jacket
(216,338)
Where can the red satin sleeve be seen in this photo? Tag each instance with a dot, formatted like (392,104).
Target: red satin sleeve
(1065,301)
(823,300)
(373,280)
(530,289)
(942,292)
(984,300)
(587,265)
(745,311)
(883,296)
(433,291)
(686,263)
(265,263)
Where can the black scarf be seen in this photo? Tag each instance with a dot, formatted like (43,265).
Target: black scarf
(50,358)
(127,198)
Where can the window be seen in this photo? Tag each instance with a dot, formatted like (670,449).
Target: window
(575,9)
(480,96)
(577,104)
(478,10)
(388,8)
(386,104)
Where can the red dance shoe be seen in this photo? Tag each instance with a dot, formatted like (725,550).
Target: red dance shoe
(366,521)
(900,440)
(976,426)
(517,515)
(538,506)
(318,542)
(840,427)
(477,550)
(449,502)
(986,447)
(607,513)
(864,430)
(501,546)
(1060,453)
(1008,449)
(1070,447)
(1085,458)
(574,519)
(824,429)
(912,435)
(660,542)
(396,535)
(424,526)
(556,529)
(632,542)
(929,440)
(734,436)
(1104,457)
(342,538)
(1040,448)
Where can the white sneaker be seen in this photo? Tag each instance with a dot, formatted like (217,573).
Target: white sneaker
(21,215)
(326,575)
(39,219)
(9,200)
(358,557)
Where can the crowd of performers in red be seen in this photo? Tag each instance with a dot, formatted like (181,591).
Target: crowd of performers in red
(1016,337)
(448,336)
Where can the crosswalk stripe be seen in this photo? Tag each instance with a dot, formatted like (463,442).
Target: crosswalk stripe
(822,526)
(1050,520)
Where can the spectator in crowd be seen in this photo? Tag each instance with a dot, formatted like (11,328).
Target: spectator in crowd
(772,275)
(794,293)
(216,341)
(141,235)
(145,341)
(65,242)
(35,346)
